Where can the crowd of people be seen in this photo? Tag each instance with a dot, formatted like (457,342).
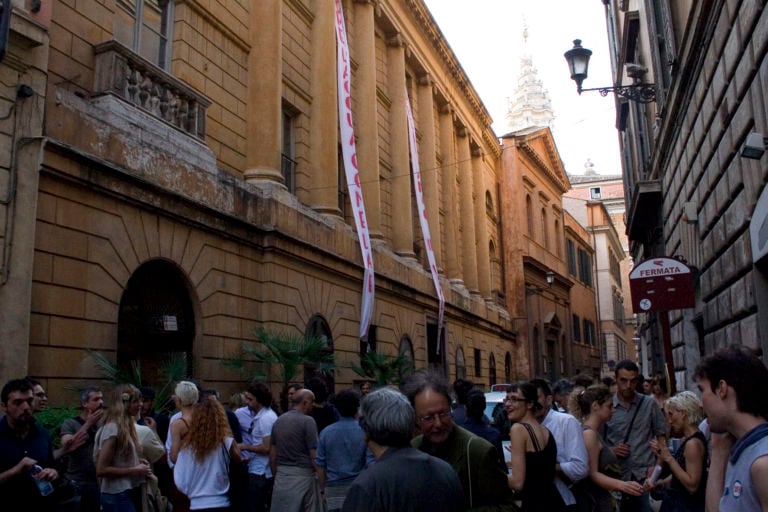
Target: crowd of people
(574,446)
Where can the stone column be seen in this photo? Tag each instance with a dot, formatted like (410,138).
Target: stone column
(264,102)
(451,245)
(366,127)
(323,124)
(402,211)
(467,212)
(428,163)
(481,224)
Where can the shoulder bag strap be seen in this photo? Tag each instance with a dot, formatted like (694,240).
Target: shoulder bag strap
(532,435)
(632,421)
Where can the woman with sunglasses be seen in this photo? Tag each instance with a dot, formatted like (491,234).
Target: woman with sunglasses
(593,406)
(533,452)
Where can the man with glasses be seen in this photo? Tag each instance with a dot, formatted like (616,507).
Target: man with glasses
(474,459)
(40,400)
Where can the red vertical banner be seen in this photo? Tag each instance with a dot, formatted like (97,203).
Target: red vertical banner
(423,218)
(349,156)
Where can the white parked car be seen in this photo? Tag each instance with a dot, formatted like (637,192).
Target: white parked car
(494,410)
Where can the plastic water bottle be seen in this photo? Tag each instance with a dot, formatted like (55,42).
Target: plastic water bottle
(44,486)
(654,475)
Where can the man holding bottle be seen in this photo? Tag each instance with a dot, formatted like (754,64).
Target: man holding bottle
(25,448)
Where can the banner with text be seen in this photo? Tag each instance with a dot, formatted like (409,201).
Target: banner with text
(423,218)
(349,156)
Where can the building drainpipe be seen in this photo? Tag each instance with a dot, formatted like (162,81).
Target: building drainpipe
(5,27)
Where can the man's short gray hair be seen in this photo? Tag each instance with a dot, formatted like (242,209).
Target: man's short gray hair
(387,418)
(85,394)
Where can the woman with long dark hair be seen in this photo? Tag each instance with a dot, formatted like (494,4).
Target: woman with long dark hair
(533,452)
(120,469)
(202,466)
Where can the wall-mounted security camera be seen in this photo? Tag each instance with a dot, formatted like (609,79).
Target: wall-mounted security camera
(754,146)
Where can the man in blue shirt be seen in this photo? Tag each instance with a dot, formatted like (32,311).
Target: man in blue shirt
(341,451)
(23,445)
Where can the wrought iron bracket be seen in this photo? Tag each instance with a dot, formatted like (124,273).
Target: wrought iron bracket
(640,93)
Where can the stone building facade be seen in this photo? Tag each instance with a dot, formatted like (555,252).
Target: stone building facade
(690,191)
(177,185)
(588,346)
(609,191)
(534,182)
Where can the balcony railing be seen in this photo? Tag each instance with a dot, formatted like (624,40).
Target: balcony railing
(122,72)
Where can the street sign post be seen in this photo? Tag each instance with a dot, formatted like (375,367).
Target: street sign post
(659,285)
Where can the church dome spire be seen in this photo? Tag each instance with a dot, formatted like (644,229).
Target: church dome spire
(530,106)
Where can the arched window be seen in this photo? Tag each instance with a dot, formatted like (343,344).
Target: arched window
(461,365)
(529,214)
(544,230)
(318,327)
(491,369)
(536,352)
(406,350)
(508,367)
(558,240)
(492,264)
(489,204)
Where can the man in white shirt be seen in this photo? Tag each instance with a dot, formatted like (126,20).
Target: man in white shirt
(256,420)
(572,462)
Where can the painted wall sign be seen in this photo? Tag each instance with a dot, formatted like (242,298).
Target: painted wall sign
(661,284)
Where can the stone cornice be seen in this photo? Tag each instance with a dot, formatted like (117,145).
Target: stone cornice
(432,33)
(542,165)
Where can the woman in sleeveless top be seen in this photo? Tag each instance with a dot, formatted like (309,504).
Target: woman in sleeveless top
(533,452)
(202,466)
(594,407)
(686,483)
(185,397)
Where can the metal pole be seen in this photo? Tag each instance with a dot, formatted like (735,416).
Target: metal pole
(666,338)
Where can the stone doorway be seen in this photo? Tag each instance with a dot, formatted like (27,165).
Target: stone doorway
(156,321)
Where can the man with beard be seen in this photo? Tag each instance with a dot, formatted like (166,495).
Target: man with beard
(23,445)
(473,458)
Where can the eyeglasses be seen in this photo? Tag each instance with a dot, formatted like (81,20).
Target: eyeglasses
(430,418)
(509,400)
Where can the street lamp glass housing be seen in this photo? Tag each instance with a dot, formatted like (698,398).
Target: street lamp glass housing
(578,62)
(550,277)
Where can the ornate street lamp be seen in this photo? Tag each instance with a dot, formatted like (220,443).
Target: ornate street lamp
(578,64)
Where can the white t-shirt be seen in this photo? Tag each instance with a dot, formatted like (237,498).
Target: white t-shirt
(114,485)
(206,482)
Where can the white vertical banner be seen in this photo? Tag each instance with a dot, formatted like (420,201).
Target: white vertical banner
(423,219)
(349,155)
